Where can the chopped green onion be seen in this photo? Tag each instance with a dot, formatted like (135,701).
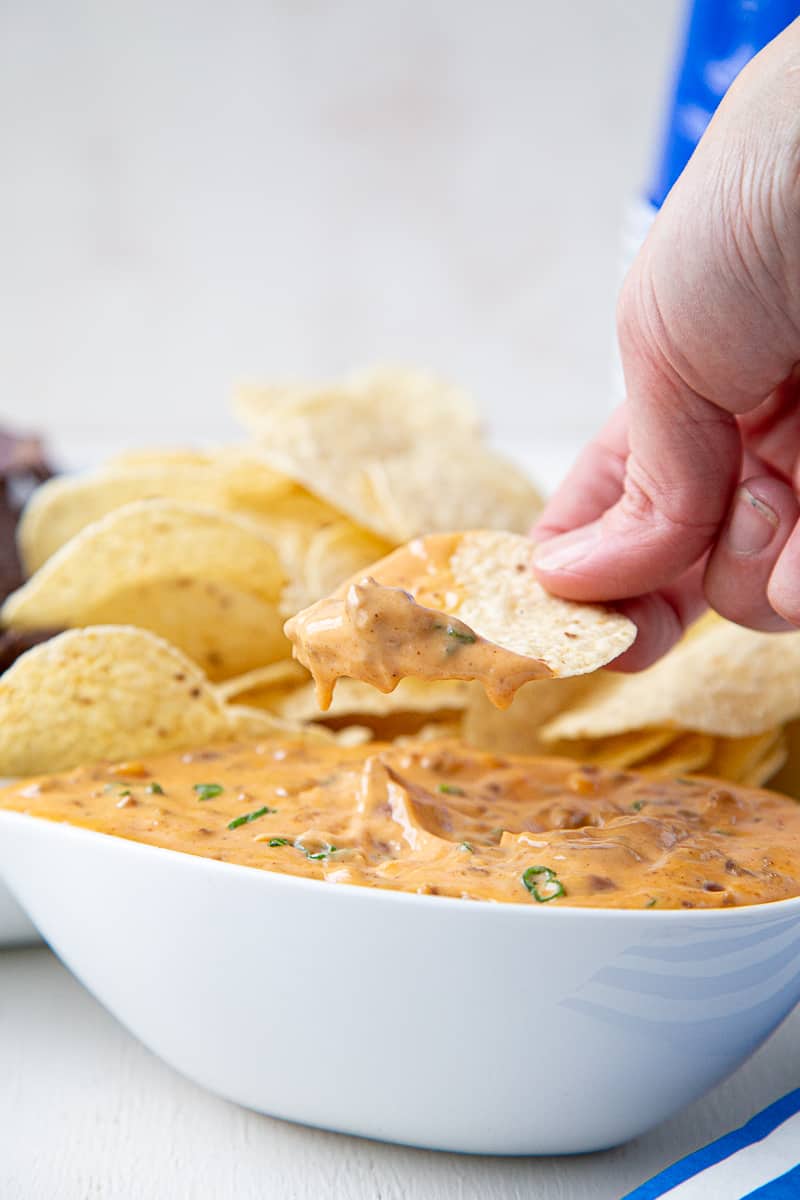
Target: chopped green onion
(155,789)
(125,792)
(451,789)
(651,903)
(246,818)
(637,805)
(320,854)
(466,846)
(542,884)
(460,636)
(207,791)
(278,842)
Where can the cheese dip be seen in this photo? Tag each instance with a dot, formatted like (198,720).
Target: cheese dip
(440,819)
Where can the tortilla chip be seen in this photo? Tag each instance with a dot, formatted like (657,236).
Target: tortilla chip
(265,686)
(337,552)
(771,762)
(61,508)
(722,680)
(636,749)
(413,707)
(247,722)
(106,692)
(356,699)
(207,581)
(483,580)
(690,752)
(381,445)
(787,778)
(516,729)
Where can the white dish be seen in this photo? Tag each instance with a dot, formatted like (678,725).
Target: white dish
(15,927)
(456,1025)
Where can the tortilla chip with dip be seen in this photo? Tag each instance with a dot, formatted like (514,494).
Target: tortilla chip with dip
(454,606)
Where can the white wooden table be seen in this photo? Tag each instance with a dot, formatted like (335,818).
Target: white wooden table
(86,1113)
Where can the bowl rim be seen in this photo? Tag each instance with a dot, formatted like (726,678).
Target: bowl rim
(775,908)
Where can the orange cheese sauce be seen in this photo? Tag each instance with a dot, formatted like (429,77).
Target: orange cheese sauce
(379,632)
(440,819)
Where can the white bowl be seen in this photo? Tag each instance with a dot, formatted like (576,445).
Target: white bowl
(15,927)
(456,1025)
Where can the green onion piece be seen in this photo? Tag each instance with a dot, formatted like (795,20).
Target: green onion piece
(317,855)
(466,846)
(278,842)
(155,789)
(551,889)
(207,791)
(651,903)
(459,636)
(542,884)
(246,818)
(125,792)
(637,805)
(451,789)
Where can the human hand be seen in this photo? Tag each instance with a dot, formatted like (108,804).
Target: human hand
(688,496)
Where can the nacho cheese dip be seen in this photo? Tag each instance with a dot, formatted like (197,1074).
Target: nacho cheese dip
(439,819)
(380,633)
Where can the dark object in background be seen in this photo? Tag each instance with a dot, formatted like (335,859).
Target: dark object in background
(23,466)
(14,642)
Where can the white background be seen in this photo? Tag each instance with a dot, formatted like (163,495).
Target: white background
(196,193)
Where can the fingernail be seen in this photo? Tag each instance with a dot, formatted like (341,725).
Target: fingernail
(566,550)
(752,524)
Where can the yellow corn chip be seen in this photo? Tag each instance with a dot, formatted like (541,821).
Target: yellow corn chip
(265,686)
(62,507)
(722,680)
(689,752)
(110,692)
(397,451)
(207,581)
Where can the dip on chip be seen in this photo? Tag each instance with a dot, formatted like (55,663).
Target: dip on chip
(454,606)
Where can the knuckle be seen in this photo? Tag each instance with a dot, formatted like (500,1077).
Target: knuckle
(649,501)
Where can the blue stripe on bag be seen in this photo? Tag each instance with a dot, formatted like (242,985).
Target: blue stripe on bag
(754,1131)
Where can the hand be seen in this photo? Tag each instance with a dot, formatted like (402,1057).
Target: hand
(688,495)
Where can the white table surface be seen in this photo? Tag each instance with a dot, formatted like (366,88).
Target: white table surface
(87,1112)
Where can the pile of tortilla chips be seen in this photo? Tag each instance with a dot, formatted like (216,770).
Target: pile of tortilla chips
(174,570)
(173,565)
